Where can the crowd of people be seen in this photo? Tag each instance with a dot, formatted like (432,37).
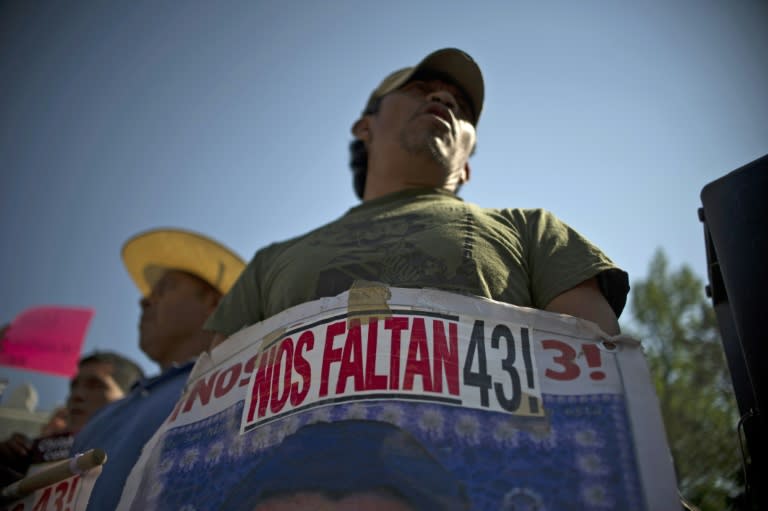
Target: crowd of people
(409,157)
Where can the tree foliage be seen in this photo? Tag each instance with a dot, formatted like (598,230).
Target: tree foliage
(682,342)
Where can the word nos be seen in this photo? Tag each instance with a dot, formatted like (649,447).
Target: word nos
(215,386)
(410,355)
(56,497)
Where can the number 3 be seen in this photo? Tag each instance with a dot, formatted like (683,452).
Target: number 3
(567,355)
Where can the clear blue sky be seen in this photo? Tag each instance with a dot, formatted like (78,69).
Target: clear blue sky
(232,119)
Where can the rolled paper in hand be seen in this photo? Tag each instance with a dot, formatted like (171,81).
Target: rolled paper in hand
(64,469)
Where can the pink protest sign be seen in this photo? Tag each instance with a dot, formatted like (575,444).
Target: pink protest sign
(46,339)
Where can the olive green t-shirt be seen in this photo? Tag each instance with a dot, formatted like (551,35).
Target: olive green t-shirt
(422,239)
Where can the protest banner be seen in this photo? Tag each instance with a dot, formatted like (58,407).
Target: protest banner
(421,399)
(46,339)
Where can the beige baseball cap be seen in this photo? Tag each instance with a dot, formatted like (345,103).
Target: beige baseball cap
(450,61)
(151,253)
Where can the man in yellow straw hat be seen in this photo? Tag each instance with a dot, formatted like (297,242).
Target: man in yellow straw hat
(181,276)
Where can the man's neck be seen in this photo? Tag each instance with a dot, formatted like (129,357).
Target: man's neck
(186,350)
(406,173)
(374,191)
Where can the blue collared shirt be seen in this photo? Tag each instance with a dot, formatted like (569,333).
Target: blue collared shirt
(123,427)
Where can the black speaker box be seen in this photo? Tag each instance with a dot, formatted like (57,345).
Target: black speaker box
(735,217)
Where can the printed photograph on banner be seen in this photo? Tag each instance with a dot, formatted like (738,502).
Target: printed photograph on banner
(388,448)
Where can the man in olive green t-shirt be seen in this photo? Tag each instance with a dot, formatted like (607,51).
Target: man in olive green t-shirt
(410,155)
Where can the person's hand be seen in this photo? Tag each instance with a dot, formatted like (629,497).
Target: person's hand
(14,449)
(8,476)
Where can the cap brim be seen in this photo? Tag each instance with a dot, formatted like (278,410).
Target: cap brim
(148,255)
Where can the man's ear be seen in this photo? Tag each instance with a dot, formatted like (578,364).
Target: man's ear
(465,173)
(212,299)
(361,128)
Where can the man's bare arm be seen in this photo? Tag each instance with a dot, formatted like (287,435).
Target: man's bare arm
(585,301)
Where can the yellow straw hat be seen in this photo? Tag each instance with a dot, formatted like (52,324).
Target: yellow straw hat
(149,254)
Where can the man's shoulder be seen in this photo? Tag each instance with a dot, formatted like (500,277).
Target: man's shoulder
(274,249)
(169,383)
(522,212)
(516,215)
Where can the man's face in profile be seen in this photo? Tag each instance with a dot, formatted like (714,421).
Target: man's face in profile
(313,501)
